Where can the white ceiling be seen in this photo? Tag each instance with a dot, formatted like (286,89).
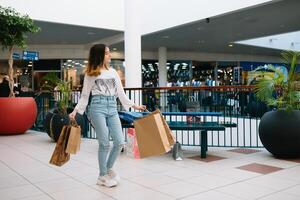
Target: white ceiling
(109,14)
(266,19)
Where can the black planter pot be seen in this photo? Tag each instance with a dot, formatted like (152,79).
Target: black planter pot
(55,121)
(279,132)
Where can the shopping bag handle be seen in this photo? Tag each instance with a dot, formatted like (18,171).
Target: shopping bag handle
(73,122)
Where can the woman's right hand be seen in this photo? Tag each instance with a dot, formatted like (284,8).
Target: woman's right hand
(72,115)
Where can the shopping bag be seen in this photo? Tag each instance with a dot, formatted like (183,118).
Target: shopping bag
(170,135)
(59,156)
(177,151)
(132,147)
(192,106)
(74,140)
(153,135)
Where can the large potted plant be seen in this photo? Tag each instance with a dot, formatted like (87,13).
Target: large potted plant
(14,27)
(58,117)
(279,129)
(17,114)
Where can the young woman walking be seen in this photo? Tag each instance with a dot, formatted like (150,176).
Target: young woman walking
(104,84)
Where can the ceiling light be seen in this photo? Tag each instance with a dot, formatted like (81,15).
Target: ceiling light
(230,45)
(166,37)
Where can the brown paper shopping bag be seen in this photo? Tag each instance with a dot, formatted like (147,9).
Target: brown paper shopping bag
(74,140)
(59,156)
(153,135)
(170,136)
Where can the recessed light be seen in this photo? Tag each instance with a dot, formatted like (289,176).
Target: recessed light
(166,37)
(230,45)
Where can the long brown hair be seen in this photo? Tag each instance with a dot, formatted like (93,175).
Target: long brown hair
(96,58)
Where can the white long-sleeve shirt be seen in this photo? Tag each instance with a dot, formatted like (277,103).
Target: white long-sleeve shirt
(108,83)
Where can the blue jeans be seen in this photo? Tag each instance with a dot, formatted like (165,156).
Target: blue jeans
(106,121)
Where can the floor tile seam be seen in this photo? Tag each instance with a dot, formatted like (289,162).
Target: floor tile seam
(78,181)
(216,188)
(236,182)
(180,197)
(52,179)
(267,187)
(30,183)
(183,179)
(150,187)
(290,188)
(10,187)
(70,189)
(21,198)
(208,190)
(138,190)
(47,165)
(276,192)
(254,173)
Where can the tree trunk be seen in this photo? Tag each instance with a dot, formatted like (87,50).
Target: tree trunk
(11,72)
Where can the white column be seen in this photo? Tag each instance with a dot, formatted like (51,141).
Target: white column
(216,74)
(162,75)
(133,75)
(162,62)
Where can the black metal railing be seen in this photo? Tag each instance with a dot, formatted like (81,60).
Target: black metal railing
(237,103)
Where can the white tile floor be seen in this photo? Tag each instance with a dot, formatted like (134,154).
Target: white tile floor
(26,174)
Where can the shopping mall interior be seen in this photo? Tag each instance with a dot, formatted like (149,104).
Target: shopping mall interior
(196,61)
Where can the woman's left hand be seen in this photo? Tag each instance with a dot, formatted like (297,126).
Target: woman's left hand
(141,107)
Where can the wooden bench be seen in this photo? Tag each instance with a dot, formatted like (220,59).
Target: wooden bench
(202,127)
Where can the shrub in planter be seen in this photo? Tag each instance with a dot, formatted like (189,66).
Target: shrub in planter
(279,129)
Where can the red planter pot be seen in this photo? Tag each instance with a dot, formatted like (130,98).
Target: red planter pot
(17,115)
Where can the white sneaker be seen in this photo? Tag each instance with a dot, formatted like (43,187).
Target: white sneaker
(114,175)
(107,181)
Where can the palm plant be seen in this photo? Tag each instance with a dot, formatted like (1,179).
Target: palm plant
(54,84)
(278,90)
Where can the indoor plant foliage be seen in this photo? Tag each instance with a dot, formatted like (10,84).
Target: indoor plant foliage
(279,128)
(280,91)
(13,30)
(63,90)
(58,117)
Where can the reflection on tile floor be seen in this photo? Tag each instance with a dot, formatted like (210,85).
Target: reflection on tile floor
(227,173)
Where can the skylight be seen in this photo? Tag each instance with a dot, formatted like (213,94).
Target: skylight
(285,41)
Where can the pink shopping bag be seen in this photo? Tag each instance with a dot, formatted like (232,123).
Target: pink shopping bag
(132,146)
